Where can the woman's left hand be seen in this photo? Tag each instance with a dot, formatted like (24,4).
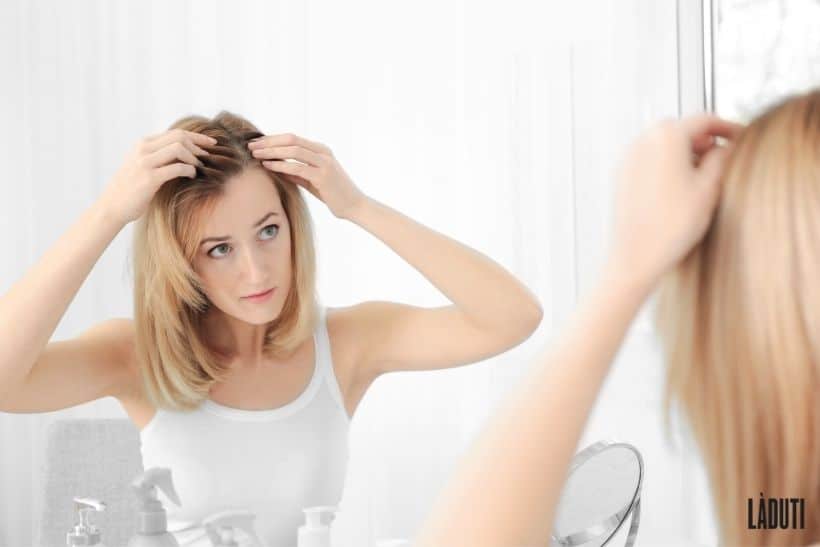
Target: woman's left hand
(318,172)
(668,191)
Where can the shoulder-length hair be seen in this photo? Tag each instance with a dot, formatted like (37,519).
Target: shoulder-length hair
(176,362)
(739,319)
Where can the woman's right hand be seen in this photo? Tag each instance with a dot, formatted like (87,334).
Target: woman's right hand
(153,161)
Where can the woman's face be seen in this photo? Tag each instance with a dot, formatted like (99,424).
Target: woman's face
(245,249)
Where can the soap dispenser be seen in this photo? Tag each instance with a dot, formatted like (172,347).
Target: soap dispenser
(314,533)
(85,533)
(221,526)
(152,522)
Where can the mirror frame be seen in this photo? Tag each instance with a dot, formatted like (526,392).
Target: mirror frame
(616,521)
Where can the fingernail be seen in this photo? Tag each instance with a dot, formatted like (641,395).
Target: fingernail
(213,140)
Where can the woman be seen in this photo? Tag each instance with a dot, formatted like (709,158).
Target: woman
(738,317)
(237,380)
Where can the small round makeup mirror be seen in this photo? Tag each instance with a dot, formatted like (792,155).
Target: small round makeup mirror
(602,491)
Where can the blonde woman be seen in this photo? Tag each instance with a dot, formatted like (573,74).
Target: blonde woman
(237,379)
(733,234)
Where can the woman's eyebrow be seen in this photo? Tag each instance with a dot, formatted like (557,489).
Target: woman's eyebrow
(224,238)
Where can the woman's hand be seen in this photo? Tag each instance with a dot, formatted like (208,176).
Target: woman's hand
(153,161)
(668,188)
(318,171)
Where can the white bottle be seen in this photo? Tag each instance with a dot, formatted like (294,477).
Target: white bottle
(85,533)
(152,522)
(220,527)
(314,533)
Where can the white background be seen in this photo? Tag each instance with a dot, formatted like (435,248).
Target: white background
(499,126)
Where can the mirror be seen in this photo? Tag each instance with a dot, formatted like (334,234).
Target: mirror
(758,51)
(602,491)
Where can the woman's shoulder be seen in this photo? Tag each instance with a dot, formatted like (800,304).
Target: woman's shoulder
(341,325)
(351,329)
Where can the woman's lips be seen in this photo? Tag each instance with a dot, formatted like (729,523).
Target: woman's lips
(260,296)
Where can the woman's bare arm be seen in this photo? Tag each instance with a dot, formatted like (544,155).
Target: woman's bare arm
(491,310)
(31,309)
(523,454)
(505,491)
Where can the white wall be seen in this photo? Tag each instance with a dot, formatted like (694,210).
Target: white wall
(498,124)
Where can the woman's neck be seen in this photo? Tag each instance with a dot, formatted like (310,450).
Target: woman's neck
(239,341)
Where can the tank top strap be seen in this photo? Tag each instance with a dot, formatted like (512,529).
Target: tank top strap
(324,359)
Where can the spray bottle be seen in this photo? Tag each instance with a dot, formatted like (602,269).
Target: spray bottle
(85,533)
(314,533)
(152,522)
(220,528)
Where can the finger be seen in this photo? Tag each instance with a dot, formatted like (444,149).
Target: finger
(287,139)
(288,152)
(712,165)
(300,170)
(299,181)
(156,142)
(172,171)
(702,144)
(172,152)
(707,124)
(196,150)
(198,138)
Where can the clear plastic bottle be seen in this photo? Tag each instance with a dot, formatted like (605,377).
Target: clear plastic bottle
(85,533)
(314,533)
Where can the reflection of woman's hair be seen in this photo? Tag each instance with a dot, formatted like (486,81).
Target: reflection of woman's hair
(176,362)
(740,323)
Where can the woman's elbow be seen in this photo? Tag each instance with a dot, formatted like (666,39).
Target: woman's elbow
(526,319)
(533,316)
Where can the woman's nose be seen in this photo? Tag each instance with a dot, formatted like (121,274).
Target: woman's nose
(253,266)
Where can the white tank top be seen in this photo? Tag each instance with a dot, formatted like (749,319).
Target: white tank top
(272,462)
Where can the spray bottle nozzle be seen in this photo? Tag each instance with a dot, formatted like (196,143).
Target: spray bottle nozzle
(145,487)
(220,527)
(85,533)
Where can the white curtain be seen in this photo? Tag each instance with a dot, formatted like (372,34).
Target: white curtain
(499,124)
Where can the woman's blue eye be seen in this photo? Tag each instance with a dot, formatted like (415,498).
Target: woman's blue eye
(270,230)
(225,245)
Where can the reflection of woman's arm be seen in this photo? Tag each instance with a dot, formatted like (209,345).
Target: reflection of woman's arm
(506,489)
(32,307)
(491,312)
(484,294)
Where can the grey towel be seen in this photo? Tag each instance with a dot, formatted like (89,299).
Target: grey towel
(92,458)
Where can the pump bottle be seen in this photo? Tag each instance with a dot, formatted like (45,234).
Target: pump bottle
(314,533)
(85,533)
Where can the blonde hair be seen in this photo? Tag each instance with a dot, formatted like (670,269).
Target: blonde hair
(177,365)
(739,319)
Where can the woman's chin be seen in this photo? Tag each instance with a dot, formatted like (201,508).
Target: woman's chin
(263,316)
